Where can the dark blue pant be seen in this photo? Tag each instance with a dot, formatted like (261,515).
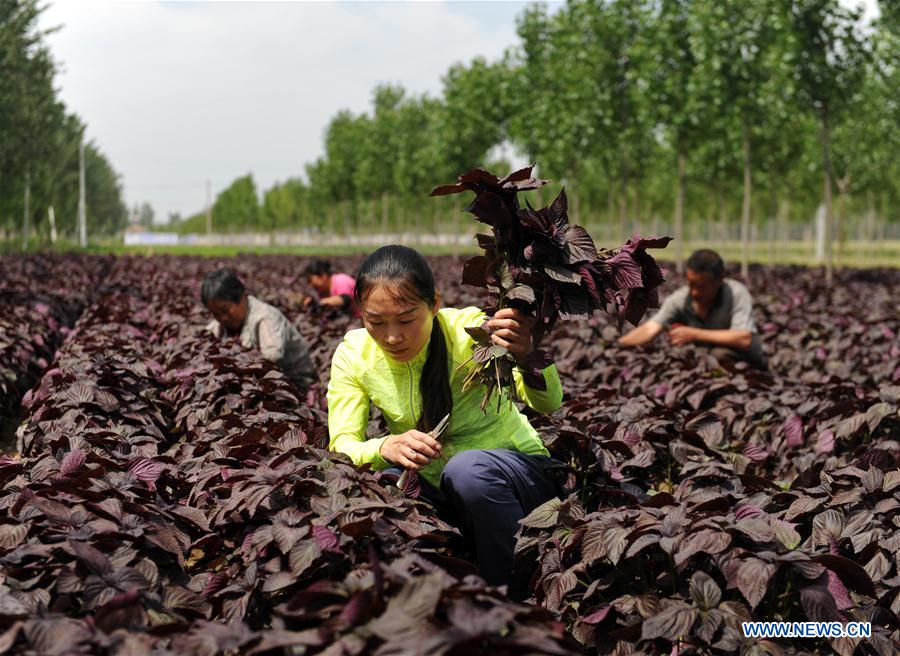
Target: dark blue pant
(485,493)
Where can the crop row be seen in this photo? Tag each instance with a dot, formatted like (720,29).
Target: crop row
(41,297)
(173,495)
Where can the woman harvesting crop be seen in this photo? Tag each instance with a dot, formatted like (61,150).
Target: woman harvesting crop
(429,368)
(334,290)
(411,360)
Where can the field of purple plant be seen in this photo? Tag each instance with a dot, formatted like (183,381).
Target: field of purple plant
(170,494)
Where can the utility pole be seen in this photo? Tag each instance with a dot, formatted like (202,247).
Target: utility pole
(26,219)
(208,207)
(82,203)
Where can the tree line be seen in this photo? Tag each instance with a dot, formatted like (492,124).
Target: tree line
(727,111)
(679,111)
(40,140)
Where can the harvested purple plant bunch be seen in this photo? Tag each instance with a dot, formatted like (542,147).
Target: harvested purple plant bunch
(537,262)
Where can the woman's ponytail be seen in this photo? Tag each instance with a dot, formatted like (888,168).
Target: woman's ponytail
(434,385)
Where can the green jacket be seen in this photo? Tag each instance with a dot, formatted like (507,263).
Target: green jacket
(361,373)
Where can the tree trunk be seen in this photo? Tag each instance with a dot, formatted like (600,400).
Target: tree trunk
(623,210)
(829,236)
(745,208)
(841,228)
(52,216)
(679,213)
(843,185)
(384,215)
(26,215)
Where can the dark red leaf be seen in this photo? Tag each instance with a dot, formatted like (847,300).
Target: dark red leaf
(325,538)
(793,431)
(72,462)
(851,574)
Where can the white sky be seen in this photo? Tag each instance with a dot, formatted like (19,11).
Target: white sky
(176,94)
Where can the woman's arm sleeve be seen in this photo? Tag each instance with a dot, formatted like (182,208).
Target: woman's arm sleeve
(545,401)
(348,415)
